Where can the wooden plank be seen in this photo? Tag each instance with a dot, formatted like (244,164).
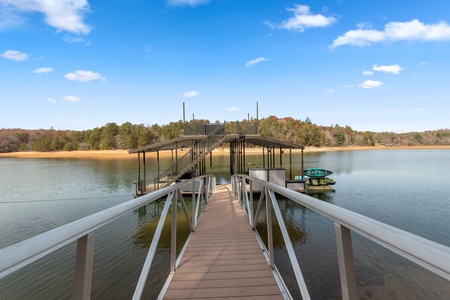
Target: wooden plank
(223,259)
(221,276)
(230,292)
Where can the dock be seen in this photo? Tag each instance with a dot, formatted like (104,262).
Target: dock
(223,259)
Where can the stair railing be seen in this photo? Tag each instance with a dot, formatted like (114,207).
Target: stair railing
(185,165)
(195,161)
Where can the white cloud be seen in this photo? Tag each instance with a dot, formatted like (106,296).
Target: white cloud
(190,94)
(330,91)
(364,25)
(187,2)
(51,100)
(43,70)
(302,19)
(368,84)
(232,108)
(255,61)
(394,69)
(10,19)
(367,73)
(70,99)
(423,63)
(84,76)
(14,55)
(73,40)
(347,86)
(64,15)
(395,31)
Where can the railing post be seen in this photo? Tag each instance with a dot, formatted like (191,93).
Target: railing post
(238,188)
(346,262)
(83,267)
(269,228)
(194,218)
(173,242)
(245,199)
(251,202)
(208,188)
(152,250)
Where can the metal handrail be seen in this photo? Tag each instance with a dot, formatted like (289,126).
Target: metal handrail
(19,255)
(428,254)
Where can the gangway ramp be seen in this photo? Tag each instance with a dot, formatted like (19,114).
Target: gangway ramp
(223,259)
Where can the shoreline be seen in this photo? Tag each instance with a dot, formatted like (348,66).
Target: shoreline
(123,154)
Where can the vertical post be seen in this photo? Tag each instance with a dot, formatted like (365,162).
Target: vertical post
(252,207)
(269,229)
(159,171)
(346,262)
(243,153)
(273,157)
(138,187)
(172,161)
(264,157)
(194,217)
(173,242)
(176,157)
(83,267)
(281,157)
(211,163)
(302,165)
(145,174)
(290,163)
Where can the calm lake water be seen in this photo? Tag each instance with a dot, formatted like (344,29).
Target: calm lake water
(409,189)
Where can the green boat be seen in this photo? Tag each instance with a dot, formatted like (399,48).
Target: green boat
(316,173)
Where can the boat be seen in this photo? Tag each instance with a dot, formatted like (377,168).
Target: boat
(317,179)
(317,172)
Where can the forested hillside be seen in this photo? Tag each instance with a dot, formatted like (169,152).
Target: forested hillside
(127,136)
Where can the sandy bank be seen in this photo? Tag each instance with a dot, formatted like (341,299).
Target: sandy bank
(123,154)
(71,154)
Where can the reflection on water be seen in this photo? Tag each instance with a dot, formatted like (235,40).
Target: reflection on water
(324,196)
(294,219)
(148,221)
(389,186)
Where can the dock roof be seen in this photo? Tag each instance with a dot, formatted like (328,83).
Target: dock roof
(187,142)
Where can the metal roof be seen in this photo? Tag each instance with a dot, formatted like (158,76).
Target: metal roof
(187,142)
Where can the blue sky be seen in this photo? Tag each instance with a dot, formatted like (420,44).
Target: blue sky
(79,64)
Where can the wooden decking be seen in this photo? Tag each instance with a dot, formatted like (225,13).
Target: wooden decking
(223,259)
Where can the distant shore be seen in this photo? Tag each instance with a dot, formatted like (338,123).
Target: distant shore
(123,154)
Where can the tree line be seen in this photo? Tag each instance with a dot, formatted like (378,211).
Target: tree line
(127,136)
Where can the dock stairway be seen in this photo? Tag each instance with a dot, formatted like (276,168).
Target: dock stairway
(188,162)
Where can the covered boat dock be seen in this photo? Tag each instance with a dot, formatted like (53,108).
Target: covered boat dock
(192,152)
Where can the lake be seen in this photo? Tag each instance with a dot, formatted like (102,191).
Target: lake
(408,189)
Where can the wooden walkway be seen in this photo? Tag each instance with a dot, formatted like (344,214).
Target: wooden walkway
(223,260)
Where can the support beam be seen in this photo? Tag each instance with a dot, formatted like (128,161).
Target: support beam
(138,183)
(346,262)
(83,267)
(145,173)
(290,163)
(159,170)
